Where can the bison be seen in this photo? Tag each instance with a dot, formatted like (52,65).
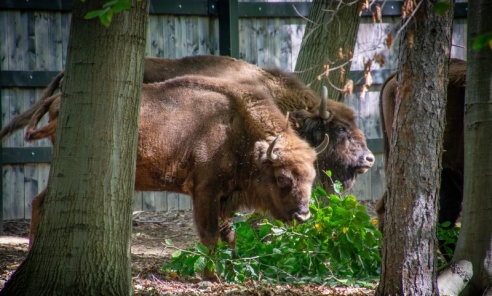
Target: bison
(235,150)
(347,156)
(451,192)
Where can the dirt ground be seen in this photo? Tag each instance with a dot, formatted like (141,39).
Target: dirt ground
(149,254)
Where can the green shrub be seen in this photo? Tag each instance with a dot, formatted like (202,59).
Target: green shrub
(339,244)
(447,236)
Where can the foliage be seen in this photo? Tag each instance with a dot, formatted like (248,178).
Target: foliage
(339,245)
(482,41)
(441,7)
(448,236)
(109,8)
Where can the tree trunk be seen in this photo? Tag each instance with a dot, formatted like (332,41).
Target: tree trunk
(83,242)
(413,171)
(474,243)
(332,25)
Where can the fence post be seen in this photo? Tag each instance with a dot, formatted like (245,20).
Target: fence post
(228,27)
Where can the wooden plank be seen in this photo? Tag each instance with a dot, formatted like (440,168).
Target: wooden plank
(65,33)
(368,113)
(297,29)
(191,41)
(184,202)
(148,201)
(137,201)
(458,49)
(156,38)
(31,188)
(203,35)
(285,59)
(362,187)
(42,41)
(172,201)
(13,192)
(56,43)
(261,43)
(248,44)
(170,37)
(160,198)
(5,38)
(378,182)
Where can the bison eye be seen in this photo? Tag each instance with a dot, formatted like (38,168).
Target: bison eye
(340,129)
(283,181)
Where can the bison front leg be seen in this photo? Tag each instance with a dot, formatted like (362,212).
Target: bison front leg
(206,213)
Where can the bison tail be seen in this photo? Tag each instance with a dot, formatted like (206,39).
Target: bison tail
(40,108)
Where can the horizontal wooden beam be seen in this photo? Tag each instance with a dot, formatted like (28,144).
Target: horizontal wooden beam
(26,78)
(209,7)
(43,78)
(44,154)
(26,155)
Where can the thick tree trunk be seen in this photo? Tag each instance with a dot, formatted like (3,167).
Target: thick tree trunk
(332,25)
(413,171)
(83,243)
(474,243)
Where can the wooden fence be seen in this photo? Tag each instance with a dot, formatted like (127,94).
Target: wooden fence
(33,48)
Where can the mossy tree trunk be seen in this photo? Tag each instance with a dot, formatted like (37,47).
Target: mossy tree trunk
(332,26)
(83,242)
(414,167)
(471,268)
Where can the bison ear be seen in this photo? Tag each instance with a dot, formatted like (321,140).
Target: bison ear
(270,153)
(260,152)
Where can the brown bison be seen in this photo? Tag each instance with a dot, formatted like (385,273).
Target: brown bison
(451,192)
(347,156)
(235,150)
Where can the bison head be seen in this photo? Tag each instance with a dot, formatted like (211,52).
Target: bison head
(285,174)
(347,154)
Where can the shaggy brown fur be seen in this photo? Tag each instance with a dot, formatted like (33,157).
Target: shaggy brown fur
(209,138)
(347,155)
(451,193)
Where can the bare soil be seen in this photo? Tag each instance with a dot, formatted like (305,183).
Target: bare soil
(150,253)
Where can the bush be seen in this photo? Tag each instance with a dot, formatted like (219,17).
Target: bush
(339,244)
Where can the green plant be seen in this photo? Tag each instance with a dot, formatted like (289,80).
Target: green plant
(447,236)
(338,245)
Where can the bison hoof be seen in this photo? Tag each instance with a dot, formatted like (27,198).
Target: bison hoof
(210,275)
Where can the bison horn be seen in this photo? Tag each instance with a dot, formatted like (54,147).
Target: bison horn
(321,147)
(272,156)
(323,112)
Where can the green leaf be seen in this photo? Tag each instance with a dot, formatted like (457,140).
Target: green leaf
(176,254)
(199,264)
(482,41)
(201,248)
(328,173)
(94,14)
(121,6)
(264,230)
(445,224)
(441,7)
(168,242)
(334,199)
(338,187)
(106,18)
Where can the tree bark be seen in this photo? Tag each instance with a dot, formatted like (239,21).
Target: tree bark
(332,25)
(474,242)
(414,162)
(83,243)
